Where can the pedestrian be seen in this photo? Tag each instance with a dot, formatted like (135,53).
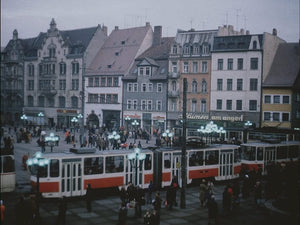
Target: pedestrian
(226,201)
(155,218)
(258,193)
(170,197)
(157,207)
(89,198)
(175,185)
(203,188)
(147,218)
(139,144)
(212,211)
(122,214)
(149,192)
(139,201)
(62,208)
(2,211)
(123,195)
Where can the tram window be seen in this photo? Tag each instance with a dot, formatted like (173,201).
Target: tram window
(54,168)
(259,154)
(293,151)
(148,162)
(237,155)
(93,165)
(196,158)
(282,152)
(8,164)
(211,157)
(114,164)
(248,153)
(167,160)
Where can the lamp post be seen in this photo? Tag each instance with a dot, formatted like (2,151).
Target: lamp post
(168,135)
(74,120)
(247,125)
(51,139)
(210,129)
(114,137)
(80,117)
(40,115)
(127,119)
(37,163)
(136,161)
(135,124)
(23,118)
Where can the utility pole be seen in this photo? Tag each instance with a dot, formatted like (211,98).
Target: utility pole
(183,151)
(81,141)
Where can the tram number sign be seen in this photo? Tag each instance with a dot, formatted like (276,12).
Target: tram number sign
(72,160)
(178,165)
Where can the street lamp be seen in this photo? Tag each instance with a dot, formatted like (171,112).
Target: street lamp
(247,124)
(37,163)
(135,124)
(127,119)
(114,137)
(74,120)
(51,139)
(209,129)
(23,117)
(168,135)
(40,115)
(136,161)
(80,117)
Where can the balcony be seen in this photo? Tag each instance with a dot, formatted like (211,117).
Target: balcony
(48,92)
(173,75)
(48,59)
(173,94)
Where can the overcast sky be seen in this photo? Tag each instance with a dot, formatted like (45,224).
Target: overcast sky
(30,17)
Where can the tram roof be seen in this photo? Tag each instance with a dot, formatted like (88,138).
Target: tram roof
(261,144)
(210,147)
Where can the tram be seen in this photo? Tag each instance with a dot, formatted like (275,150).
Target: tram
(69,173)
(7,170)
(220,162)
(259,154)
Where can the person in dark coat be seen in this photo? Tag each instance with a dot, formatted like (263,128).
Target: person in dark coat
(258,193)
(122,214)
(155,218)
(89,198)
(226,201)
(62,208)
(212,210)
(123,195)
(139,198)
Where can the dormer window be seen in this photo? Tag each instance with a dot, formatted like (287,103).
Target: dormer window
(186,50)
(254,44)
(123,42)
(205,49)
(109,66)
(174,49)
(147,71)
(196,50)
(141,71)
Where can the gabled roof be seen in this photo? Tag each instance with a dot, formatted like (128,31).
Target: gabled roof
(118,51)
(285,67)
(147,61)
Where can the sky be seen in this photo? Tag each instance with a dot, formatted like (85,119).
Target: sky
(30,17)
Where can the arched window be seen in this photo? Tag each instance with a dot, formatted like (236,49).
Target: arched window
(205,49)
(204,86)
(194,86)
(174,86)
(62,68)
(196,49)
(203,105)
(186,49)
(194,105)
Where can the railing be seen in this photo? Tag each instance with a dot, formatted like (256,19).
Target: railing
(173,75)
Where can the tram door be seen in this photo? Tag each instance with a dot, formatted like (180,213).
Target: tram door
(71,177)
(269,155)
(176,167)
(226,164)
(134,172)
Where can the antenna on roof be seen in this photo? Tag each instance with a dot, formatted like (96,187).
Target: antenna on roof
(245,22)
(191,21)
(237,18)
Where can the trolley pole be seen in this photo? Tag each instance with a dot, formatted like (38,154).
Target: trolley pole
(183,151)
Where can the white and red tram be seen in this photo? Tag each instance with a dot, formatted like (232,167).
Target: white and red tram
(221,162)
(68,173)
(260,154)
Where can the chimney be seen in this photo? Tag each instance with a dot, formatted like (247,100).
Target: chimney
(15,35)
(242,31)
(247,32)
(116,28)
(274,32)
(104,28)
(157,35)
(147,24)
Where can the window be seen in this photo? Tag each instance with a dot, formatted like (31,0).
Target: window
(195,67)
(54,168)
(30,85)
(30,101)
(174,85)
(173,105)
(31,70)
(204,86)
(276,116)
(253,105)
(205,49)
(228,104)
(52,52)
(186,49)
(253,84)
(267,99)
(148,162)
(159,87)
(143,104)
(254,44)
(285,117)
(93,98)
(115,98)
(211,157)
(185,67)
(254,63)
(195,50)
(276,99)
(174,67)
(149,105)
(158,105)
(129,104)
(91,82)
(41,101)
(174,50)
(220,64)
(204,68)
(135,87)
(144,87)
(219,84)
(239,84)
(116,81)
(240,64)
(229,84)
(62,68)
(194,105)
(267,116)
(62,84)
(229,64)
(167,160)
(238,104)
(114,164)
(93,165)
(8,164)
(109,82)
(75,84)
(102,98)
(150,87)
(141,71)
(62,101)
(74,102)
(103,81)
(108,99)
(96,82)
(135,104)
(194,86)
(147,71)
(203,105)
(75,68)
(129,87)
(286,99)
(219,104)
(196,158)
